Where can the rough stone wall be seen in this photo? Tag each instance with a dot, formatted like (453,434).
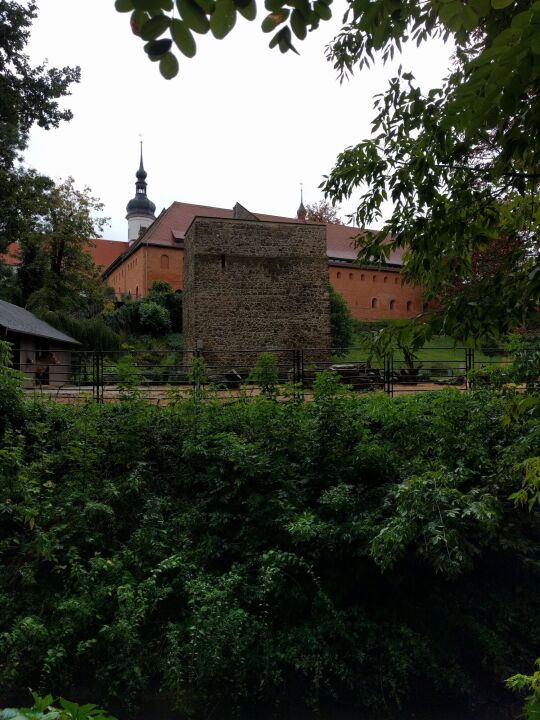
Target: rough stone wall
(252,285)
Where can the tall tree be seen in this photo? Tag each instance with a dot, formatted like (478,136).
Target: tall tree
(57,270)
(28,95)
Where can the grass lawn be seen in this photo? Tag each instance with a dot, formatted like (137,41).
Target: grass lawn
(440,351)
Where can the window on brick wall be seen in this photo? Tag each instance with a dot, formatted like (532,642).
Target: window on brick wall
(385,279)
(396,281)
(351,276)
(409,305)
(362,276)
(392,304)
(164,262)
(137,291)
(374,303)
(338,275)
(374,278)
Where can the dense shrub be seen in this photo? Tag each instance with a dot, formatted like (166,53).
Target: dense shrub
(160,312)
(11,399)
(357,546)
(93,333)
(154,318)
(341,323)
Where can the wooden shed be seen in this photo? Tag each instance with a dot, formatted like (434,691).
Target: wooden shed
(41,351)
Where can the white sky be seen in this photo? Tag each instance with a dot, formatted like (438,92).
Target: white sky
(240,122)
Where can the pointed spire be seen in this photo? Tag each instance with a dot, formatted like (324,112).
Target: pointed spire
(140,209)
(141,173)
(301,212)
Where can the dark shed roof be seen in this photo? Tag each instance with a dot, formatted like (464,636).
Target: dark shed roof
(17,319)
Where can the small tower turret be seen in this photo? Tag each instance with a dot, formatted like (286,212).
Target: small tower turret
(140,210)
(301,212)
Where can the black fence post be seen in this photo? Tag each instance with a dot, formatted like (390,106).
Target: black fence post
(469,365)
(301,372)
(97,377)
(388,372)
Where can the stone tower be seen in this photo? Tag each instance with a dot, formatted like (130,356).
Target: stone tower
(255,286)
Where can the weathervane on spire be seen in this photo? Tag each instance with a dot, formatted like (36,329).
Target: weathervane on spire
(301,212)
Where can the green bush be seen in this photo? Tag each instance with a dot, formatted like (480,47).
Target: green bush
(10,388)
(162,293)
(62,709)
(93,333)
(154,318)
(341,324)
(357,548)
(265,374)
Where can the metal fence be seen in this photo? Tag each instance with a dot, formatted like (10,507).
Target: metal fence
(164,376)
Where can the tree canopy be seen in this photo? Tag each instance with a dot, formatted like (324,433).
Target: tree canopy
(58,271)
(459,163)
(324,212)
(28,95)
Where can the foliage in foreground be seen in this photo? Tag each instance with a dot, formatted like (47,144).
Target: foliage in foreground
(44,709)
(361,547)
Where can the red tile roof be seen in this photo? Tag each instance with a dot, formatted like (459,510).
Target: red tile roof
(174,222)
(104,252)
(11,256)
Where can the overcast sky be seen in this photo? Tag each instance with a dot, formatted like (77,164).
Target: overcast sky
(240,122)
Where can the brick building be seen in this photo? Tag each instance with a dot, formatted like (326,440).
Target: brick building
(155,251)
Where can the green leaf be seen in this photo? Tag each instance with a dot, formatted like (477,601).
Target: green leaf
(193,16)
(123,5)
(223,19)
(535,44)
(156,48)
(270,22)
(147,5)
(449,11)
(247,10)
(137,20)
(183,38)
(298,24)
(501,4)
(322,10)
(206,5)
(274,5)
(481,7)
(154,27)
(168,66)
(469,18)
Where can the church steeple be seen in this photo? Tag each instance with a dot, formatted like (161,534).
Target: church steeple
(140,210)
(301,212)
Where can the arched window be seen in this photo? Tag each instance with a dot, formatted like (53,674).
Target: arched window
(396,281)
(362,276)
(338,275)
(409,305)
(164,262)
(385,279)
(374,303)
(351,276)
(392,304)
(137,291)
(374,278)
